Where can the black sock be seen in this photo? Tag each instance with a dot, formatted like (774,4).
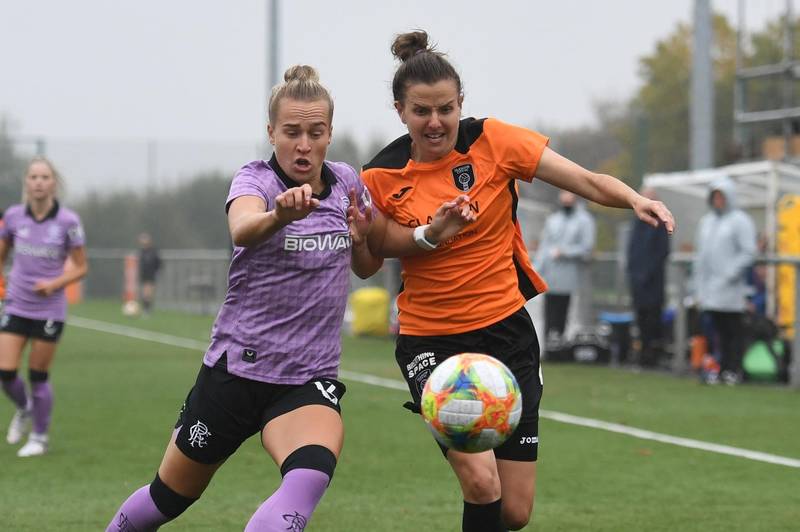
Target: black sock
(482,517)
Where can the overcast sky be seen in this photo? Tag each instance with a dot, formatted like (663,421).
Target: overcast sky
(196,69)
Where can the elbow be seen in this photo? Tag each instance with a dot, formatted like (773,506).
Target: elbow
(240,238)
(363,274)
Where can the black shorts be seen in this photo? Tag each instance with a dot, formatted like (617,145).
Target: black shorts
(223,410)
(46,330)
(513,341)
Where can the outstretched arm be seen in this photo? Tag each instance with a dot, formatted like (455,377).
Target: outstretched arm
(390,239)
(601,188)
(251,224)
(363,262)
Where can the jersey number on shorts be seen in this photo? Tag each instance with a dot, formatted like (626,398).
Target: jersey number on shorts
(329,393)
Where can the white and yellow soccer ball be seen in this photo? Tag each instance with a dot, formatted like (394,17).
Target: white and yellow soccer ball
(471,402)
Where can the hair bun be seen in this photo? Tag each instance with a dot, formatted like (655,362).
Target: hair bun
(301,73)
(406,45)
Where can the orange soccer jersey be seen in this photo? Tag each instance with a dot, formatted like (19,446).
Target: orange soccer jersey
(483,274)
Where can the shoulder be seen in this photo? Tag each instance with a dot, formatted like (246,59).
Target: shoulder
(14,211)
(394,156)
(257,168)
(67,215)
(342,171)
(256,177)
(497,129)
(741,216)
(585,215)
(469,131)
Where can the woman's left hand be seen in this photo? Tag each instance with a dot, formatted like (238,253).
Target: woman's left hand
(654,213)
(360,223)
(45,288)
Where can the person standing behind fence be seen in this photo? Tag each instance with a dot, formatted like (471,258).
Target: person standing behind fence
(648,249)
(149,264)
(43,234)
(725,246)
(566,242)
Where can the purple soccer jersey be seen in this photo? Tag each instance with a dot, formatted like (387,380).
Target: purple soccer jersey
(40,250)
(282,316)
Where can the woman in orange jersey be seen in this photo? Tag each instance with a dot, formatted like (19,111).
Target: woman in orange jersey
(467,293)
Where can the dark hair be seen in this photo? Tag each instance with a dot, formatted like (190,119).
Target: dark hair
(301,82)
(420,64)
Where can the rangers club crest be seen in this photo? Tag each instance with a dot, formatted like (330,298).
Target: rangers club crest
(463,177)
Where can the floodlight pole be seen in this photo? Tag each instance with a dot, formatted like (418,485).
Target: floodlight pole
(701,132)
(273,38)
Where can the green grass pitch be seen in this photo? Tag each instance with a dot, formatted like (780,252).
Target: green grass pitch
(117,399)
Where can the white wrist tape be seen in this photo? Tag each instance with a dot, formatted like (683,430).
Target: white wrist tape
(420,240)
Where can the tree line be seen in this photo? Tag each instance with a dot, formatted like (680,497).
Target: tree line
(647,133)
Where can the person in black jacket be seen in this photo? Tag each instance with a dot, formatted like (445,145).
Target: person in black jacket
(149,264)
(648,249)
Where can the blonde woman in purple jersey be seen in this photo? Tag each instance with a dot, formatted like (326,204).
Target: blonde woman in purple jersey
(43,235)
(299,225)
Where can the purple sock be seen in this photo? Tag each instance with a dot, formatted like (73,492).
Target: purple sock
(15,390)
(42,394)
(290,507)
(137,514)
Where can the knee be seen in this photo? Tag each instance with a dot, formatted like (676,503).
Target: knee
(516,516)
(37,376)
(480,485)
(316,457)
(168,501)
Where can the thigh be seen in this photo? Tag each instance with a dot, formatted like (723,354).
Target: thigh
(518,485)
(309,414)
(307,425)
(418,356)
(183,475)
(148,288)
(477,475)
(219,414)
(11,346)
(41,355)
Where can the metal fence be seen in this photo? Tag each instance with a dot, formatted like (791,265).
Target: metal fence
(196,280)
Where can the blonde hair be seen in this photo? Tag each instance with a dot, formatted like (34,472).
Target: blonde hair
(301,82)
(56,175)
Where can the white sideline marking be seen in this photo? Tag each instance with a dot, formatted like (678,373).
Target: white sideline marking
(666,438)
(139,334)
(187,343)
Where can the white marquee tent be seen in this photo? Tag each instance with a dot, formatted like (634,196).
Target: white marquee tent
(759,186)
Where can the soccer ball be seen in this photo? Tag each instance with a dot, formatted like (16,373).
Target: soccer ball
(131,308)
(471,403)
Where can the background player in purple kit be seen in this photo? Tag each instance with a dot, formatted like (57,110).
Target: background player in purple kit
(299,224)
(43,234)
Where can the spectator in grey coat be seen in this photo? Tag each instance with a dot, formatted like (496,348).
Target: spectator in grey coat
(725,246)
(566,242)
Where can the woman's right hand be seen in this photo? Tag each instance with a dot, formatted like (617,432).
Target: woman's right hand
(450,218)
(295,204)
